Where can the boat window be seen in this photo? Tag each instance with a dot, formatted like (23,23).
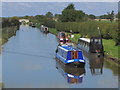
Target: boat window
(97,41)
(61,40)
(64,54)
(63,34)
(59,51)
(92,40)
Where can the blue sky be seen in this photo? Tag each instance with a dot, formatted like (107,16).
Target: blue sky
(34,8)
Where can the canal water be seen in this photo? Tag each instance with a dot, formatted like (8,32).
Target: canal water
(28,61)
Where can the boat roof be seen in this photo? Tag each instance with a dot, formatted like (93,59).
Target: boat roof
(85,39)
(68,48)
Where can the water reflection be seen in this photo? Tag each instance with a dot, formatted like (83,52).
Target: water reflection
(72,74)
(96,64)
(1,85)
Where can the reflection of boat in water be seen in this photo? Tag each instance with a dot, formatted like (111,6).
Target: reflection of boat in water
(96,64)
(72,74)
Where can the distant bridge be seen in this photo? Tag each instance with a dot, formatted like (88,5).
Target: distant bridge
(24,20)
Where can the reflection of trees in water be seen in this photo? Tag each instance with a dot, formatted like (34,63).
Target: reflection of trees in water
(1,85)
(115,69)
(109,65)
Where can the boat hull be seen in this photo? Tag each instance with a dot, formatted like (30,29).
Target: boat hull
(74,62)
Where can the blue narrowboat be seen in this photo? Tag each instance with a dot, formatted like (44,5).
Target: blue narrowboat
(70,55)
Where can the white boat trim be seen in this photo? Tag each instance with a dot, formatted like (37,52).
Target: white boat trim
(85,39)
(63,49)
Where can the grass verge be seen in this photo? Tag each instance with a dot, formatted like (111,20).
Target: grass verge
(53,31)
(110,48)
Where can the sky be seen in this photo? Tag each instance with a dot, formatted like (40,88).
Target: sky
(41,8)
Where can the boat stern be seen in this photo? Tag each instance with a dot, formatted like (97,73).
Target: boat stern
(76,62)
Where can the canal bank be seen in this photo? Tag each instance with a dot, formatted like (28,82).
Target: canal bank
(108,50)
(8,32)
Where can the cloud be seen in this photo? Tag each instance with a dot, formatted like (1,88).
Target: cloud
(35,8)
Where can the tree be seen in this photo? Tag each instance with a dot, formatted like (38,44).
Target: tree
(70,6)
(14,21)
(91,16)
(26,17)
(103,17)
(108,16)
(79,15)
(49,23)
(69,14)
(57,17)
(118,15)
(49,15)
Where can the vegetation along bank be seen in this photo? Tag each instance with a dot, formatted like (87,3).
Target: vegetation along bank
(9,28)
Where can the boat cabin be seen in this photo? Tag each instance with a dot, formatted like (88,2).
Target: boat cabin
(63,38)
(44,29)
(93,45)
(67,54)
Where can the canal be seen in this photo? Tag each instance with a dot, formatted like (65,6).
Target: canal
(28,61)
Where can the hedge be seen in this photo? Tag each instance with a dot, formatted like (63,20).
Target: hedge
(108,29)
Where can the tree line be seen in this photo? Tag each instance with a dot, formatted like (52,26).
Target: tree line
(9,28)
(90,28)
(12,21)
(77,21)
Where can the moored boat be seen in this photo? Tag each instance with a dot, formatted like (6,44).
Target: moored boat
(44,29)
(69,55)
(92,45)
(63,38)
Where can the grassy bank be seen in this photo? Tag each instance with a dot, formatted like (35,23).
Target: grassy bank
(8,32)
(53,31)
(110,48)
(109,45)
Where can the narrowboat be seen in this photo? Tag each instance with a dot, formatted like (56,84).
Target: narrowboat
(71,74)
(92,45)
(44,29)
(33,25)
(62,36)
(30,24)
(70,55)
